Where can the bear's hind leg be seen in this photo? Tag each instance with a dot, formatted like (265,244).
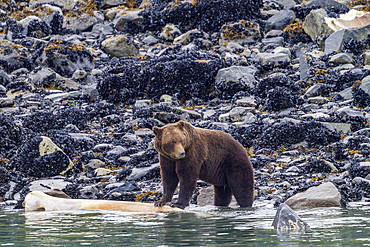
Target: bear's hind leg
(242,187)
(222,195)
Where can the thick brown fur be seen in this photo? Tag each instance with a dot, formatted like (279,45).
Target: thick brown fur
(188,153)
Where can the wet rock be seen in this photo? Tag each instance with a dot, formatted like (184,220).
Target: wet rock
(35,27)
(237,113)
(341,58)
(276,41)
(324,195)
(315,26)
(40,157)
(280,20)
(233,79)
(119,46)
(78,23)
(184,74)
(286,220)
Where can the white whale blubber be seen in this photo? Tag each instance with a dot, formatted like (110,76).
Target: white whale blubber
(39,201)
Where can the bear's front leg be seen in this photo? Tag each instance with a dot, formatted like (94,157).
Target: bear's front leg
(187,188)
(169,181)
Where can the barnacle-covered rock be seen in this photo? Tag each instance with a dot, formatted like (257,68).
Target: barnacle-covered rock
(184,74)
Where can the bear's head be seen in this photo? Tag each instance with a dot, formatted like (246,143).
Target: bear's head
(172,140)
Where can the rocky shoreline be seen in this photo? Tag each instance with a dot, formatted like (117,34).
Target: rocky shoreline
(82,83)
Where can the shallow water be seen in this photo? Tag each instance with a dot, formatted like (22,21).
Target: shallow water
(208,226)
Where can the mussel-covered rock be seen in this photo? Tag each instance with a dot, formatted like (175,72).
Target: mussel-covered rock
(41,157)
(208,15)
(183,74)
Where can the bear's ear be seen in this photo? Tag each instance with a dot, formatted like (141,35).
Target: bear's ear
(156,130)
(183,124)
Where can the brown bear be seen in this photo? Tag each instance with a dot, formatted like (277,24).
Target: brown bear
(188,153)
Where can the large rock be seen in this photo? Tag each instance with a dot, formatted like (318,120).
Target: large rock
(206,197)
(314,24)
(233,79)
(119,46)
(324,195)
(280,20)
(41,157)
(207,15)
(286,220)
(184,74)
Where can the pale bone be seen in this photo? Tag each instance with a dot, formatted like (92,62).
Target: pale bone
(39,201)
(351,19)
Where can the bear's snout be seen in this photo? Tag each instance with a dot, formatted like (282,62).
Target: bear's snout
(179,155)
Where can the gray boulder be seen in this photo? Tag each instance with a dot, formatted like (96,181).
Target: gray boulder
(119,46)
(324,195)
(280,20)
